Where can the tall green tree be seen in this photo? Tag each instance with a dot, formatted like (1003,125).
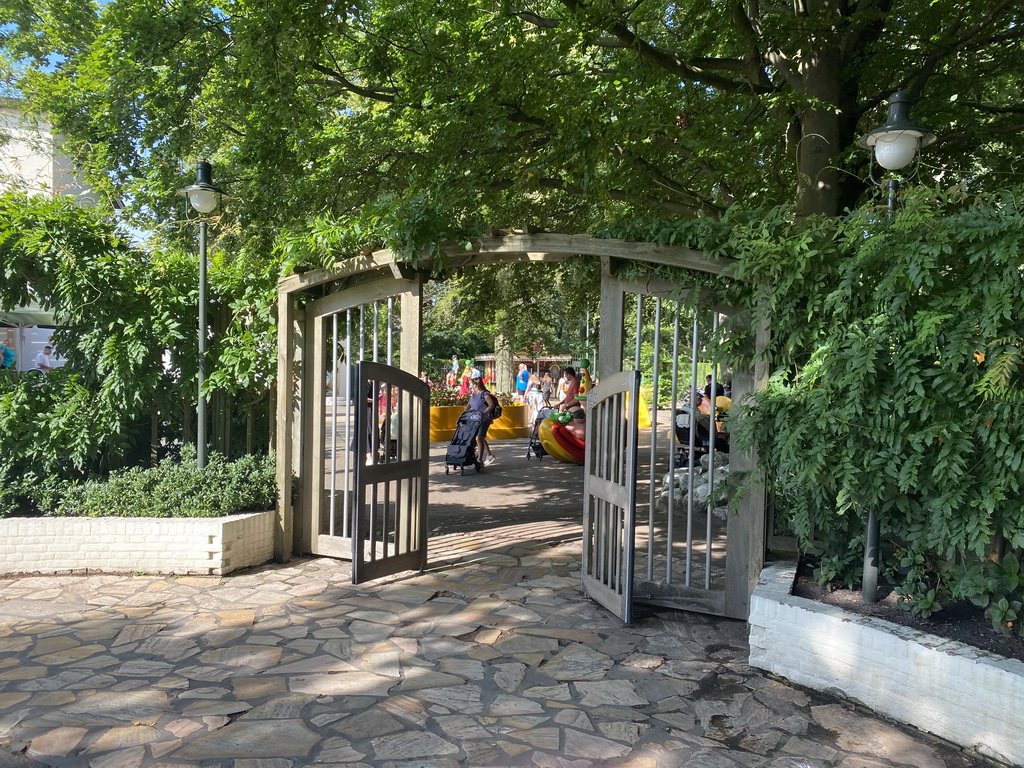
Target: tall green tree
(404,122)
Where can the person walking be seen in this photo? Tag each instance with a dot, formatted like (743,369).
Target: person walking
(522,379)
(43,362)
(483,401)
(6,358)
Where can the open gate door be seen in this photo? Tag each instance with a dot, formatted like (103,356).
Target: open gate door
(389,519)
(609,492)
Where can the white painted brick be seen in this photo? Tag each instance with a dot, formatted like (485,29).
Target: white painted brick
(48,545)
(939,686)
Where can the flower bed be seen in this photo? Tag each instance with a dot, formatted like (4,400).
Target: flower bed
(940,686)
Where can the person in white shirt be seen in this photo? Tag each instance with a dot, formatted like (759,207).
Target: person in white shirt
(43,360)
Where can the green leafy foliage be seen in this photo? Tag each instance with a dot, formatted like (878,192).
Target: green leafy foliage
(884,339)
(175,489)
(127,320)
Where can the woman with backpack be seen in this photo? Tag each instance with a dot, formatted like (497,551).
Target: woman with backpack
(483,401)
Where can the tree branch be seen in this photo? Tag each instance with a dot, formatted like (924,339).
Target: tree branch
(670,61)
(339,79)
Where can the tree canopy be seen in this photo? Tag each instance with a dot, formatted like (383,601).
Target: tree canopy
(402,123)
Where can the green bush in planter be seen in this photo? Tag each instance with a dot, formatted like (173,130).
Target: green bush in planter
(172,489)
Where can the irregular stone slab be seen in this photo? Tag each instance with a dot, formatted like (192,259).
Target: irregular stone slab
(643,661)
(434,648)
(27,672)
(258,687)
(336,750)
(344,684)
(207,674)
(143,707)
(169,648)
(811,749)
(417,678)
(56,743)
(578,662)
(253,738)
(123,738)
(513,705)
(544,760)
(370,632)
(280,708)
(462,727)
(8,700)
(576,635)
(865,735)
(405,746)
(238,618)
(204,708)
(517,644)
(125,758)
(469,668)
(407,708)
(615,692)
(512,749)
(627,732)
(680,720)
(204,693)
(558,692)
(508,677)
(539,738)
(241,656)
(144,668)
(574,718)
(369,724)
(385,663)
(47,645)
(520,722)
(462,698)
(580,744)
(321,664)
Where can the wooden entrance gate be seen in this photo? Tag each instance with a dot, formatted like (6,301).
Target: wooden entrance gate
(694,556)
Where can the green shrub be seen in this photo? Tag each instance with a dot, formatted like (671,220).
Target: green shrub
(172,489)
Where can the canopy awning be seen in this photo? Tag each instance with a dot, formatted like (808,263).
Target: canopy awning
(32,314)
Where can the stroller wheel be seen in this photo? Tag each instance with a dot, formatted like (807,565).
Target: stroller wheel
(446,469)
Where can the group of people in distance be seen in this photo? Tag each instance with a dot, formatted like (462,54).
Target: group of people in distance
(534,391)
(43,363)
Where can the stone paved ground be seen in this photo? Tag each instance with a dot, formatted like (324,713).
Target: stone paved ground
(491,658)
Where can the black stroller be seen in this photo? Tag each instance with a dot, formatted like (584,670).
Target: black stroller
(686,420)
(462,448)
(535,446)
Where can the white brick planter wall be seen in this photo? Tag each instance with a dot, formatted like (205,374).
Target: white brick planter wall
(206,546)
(969,697)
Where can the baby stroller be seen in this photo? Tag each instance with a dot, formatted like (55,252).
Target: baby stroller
(686,420)
(462,448)
(535,446)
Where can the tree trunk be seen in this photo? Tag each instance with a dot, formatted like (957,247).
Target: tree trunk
(504,366)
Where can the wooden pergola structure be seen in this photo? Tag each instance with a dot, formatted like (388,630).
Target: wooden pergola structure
(309,301)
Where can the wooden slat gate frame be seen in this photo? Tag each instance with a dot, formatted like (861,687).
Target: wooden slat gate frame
(609,493)
(370,272)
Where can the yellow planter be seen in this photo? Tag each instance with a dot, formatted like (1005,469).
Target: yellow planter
(514,422)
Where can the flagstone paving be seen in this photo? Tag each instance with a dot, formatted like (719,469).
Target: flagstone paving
(493,659)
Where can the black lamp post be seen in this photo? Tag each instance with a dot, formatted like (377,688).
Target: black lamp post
(204,198)
(893,146)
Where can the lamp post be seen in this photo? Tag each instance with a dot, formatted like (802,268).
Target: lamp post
(893,146)
(204,198)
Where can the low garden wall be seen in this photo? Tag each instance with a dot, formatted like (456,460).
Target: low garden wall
(514,422)
(203,546)
(959,693)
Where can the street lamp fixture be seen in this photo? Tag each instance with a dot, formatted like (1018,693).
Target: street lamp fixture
(204,198)
(893,146)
